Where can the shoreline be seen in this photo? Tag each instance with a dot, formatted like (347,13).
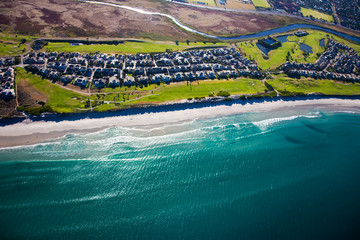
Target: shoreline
(28,132)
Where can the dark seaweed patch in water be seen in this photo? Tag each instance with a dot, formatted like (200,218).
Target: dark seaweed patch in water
(314,128)
(294,140)
(263,49)
(305,48)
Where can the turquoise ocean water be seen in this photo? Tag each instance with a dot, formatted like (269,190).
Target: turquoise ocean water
(280,175)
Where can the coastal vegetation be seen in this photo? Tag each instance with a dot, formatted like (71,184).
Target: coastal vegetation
(156,94)
(36,94)
(314,86)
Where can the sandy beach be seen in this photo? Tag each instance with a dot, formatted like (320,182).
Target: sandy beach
(30,132)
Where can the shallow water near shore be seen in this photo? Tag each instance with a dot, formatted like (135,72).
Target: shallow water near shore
(285,174)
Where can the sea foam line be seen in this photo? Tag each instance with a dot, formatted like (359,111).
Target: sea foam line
(264,124)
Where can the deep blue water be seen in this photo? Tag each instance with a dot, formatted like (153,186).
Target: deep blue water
(279,175)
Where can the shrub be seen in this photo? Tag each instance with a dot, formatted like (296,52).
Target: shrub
(286,93)
(223,94)
(38,110)
(268,86)
(198,98)
(299,94)
(190,99)
(270,94)
(20,108)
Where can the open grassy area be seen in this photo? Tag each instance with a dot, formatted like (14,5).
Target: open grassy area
(128,47)
(305,85)
(203,89)
(279,56)
(155,94)
(13,44)
(307,12)
(261,3)
(59,99)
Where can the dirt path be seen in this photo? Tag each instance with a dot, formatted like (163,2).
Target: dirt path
(335,14)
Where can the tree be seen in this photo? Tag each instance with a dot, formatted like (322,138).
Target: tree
(288,56)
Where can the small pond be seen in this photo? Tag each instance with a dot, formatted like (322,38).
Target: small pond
(263,49)
(75,44)
(269,41)
(322,42)
(305,48)
(282,38)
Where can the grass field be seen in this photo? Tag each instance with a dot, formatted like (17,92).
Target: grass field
(127,47)
(155,94)
(261,3)
(203,89)
(307,12)
(12,44)
(59,99)
(305,85)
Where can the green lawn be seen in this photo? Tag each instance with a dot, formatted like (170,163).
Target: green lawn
(128,47)
(261,3)
(176,91)
(59,99)
(326,87)
(11,44)
(276,57)
(180,91)
(307,12)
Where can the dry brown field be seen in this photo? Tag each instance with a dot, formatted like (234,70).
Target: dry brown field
(69,18)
